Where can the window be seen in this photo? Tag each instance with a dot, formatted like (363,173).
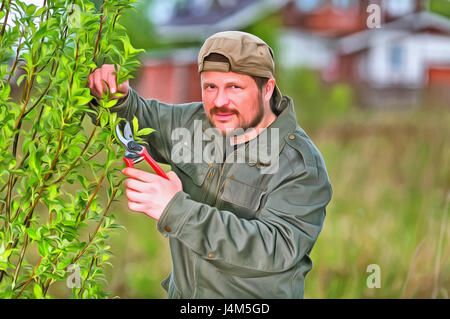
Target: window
(399,7)
(396,54)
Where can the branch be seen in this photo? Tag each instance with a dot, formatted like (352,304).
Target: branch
(87,276)
(98,227)
(81,154)
(16,60)
(29,280)
(19,263)
(6,19)
(92,198)
(102,20)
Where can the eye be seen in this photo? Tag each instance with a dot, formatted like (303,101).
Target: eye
(209,86)
(235,87)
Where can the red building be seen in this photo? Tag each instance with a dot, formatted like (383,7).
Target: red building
(170,79)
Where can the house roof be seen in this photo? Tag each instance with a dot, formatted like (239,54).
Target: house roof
(192,22)
(411,23)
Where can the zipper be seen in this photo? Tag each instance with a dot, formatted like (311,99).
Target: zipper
(218,183)
(219,194)
(208,183)
(216,192)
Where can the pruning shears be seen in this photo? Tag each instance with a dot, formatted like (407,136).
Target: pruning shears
(134,152)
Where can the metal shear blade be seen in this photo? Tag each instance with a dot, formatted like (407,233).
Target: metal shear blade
(134,153)
(127,132)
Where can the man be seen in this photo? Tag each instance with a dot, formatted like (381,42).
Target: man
(235,230)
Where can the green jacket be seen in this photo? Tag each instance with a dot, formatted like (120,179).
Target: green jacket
(233,231)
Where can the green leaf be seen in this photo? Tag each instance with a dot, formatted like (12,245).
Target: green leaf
(64,263)
(33,235)
(145,131)
(37,291)
(110,103)
(20,79)
(32,162)
(41,32)
(135,125)
(53,191)
(82,100)
(5,92)
(43,248)
(104,119)
(31,9)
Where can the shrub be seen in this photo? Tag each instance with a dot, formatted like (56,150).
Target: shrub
(54,212)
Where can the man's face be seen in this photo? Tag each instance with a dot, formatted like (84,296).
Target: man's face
(231,100)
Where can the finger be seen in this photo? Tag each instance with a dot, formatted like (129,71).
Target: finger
(98,83)
(124,87)
(139,186)
(173,177)
(140,175)
(107,71)
(112,82)
(91,82)
(91,86)
(137,196)
(137,207)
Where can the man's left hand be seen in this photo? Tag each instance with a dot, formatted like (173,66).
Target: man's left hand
(149,193)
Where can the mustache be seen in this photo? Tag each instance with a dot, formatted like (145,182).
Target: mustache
(222,110)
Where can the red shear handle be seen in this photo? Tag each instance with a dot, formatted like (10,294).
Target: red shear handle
(129,162)
(153,164)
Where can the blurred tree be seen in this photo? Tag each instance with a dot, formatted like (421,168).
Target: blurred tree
(440,6)
(267,29)
(139,26)
(315,103)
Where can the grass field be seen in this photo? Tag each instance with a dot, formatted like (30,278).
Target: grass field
(390,173)
(391,177)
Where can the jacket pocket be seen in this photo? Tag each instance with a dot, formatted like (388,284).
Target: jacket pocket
(196,171)
(242,196)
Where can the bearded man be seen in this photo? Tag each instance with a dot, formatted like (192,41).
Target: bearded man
(235,229)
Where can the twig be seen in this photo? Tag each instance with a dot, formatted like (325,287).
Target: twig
(97,41)
(16,60)
(19,263)
(81,154)
(29,280)
(98,227)
(96,153)
(87,276)
(6,19)
(92,197)
(50,280)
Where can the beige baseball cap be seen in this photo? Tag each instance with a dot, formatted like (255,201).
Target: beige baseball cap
(246,53)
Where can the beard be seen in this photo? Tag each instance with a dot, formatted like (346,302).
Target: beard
(253,123)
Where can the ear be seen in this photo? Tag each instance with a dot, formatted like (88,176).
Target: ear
(268,90)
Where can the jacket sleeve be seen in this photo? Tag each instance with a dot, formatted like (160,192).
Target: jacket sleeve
(150,114)
(284,231)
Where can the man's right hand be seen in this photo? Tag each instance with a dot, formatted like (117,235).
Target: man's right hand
(102,77)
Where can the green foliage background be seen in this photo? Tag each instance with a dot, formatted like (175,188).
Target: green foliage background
(55,189)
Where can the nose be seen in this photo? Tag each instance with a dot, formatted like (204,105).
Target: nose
(221,99)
